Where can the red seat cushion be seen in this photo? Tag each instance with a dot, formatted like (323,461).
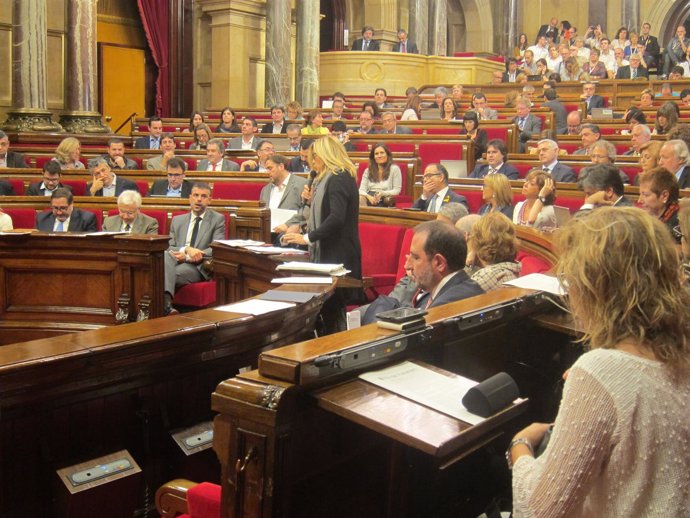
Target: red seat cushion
(237,190)
(198,295)
(380,253)
(404,250)
(431,153)
(474,198)
(531,264)
(22,218)
(78,186)
(143,187)
(203,501)
(17,185)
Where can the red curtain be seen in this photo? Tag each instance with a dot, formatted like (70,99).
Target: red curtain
(155,16)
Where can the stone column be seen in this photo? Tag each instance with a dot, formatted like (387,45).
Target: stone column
(419,24)
(438,21)
(512,27)
(278,21)
(82,67)
(630,16)
(308,48)
(29,82)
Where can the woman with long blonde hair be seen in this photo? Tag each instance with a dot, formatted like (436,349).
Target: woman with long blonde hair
(67,154)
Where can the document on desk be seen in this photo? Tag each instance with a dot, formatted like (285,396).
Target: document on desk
(255,306)
(538,281)
(275,250)
(427,387)
(239,243)
(280,216)
(337,270)
(302,280)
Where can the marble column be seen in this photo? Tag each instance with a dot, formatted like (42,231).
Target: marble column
(308,48)
(438,22)
(29,83)
(419,24)
(278,22)
(511,27)
(82,67)
(630,15)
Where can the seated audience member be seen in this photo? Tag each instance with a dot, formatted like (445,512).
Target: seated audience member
(571,70)
(410,92)
(294,134)
(659,195)
(649,157)
(130,219)
(492,249)
(594,68)
(381,98)
(313,124)
(554,59)
(646,98)
(67,154)
(603,187)
(175,186)
(278,123)
(680,132)
(413,109)
(188,251)
(366,124)
(559,111)
(666,119)
(366,42)
(528,93)
(263,153)
(673,156)
(497,195)
(685,96)
(390,125)
(284,191)
(372,108)
(479,104)
(474,133)
(618,62)
(510,99)
(529,64)
(634,70)
(440,93)
(435,190)
(639,135)
(675,51)
(634,117)
(382,180)
(105,182)
(64,216)
(449,110)
(590,98)
(574,122)
(52,174)
(456,93)
(451,212)
(160,162)
(195,119)
(548,156)
(537,211)
(153,140)
(404,45)
(9,158)
(496,162)
(604,152)
(337,110)
(684,229)
(214,160)
(497,77)
(5,222)
(339,131)
(116,158)
(228,121)
(294,111)
(202,134)
(511,72)
(589,134)
(248,140)
(623,416)
(300,164)
(528,124)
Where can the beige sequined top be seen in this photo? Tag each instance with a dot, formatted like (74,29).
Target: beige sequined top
(620,445)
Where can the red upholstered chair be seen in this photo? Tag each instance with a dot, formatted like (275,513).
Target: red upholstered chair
(17,185)
(400,147)
(237,190)
(22,218)
(531,264)
(380,255)
(78,186)
(443,131)
(42,160)
(404,250)
(573,204)
(191,163)
(99,216)
(434,152)
(162,217)
(474,198)
(199,501)
(196,295)
(143,187)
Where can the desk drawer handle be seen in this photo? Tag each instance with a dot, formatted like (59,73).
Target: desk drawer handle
(241,465)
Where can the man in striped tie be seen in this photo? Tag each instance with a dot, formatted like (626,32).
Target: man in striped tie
(404,45)
(366,43)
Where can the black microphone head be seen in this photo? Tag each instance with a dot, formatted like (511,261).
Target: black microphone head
(312,175)
(491,395)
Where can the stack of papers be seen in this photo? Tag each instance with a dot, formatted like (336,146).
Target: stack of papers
(240,243)
(538,281)
(302,280)
(336,270)
(275,250)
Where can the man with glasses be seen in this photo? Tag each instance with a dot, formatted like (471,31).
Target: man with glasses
(366,124)
(52,174)
(175,186)
(64,217)
(214,160)
(390,125)
(263,153)
(435,190)
(130,218)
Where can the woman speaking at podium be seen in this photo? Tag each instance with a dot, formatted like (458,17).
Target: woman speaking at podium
(333,226)
(619,446)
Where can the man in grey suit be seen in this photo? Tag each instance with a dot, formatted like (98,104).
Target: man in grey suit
(589,134)
(390,125)
(248,140)
(130,218)
(548,156)
(214,160)
(528,124)
(167,146)
(116,155)
(64,217)
(284,191)
(479,104)
(191,236)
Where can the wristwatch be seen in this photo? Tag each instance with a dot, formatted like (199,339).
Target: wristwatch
(542,199)
(514,443)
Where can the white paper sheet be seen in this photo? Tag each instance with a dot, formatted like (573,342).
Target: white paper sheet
(302,280)
(302,266)
(538,281)
(275,250)
(280,216)
(426,387)
(255,306)
(239,243)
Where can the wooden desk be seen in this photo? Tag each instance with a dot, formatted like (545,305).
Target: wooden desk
(53,284)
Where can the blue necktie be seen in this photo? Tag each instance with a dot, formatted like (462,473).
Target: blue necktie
(60,227)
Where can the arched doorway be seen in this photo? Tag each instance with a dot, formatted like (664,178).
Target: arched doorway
(332,25)
(680,15)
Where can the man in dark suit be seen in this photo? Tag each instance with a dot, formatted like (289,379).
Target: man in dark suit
(390,125)
(404,45)
(559,111)
(590,98)
(278,123)
(366,42)
(175,186)
(248,140)
(184,262)
(548,156)
(52,174)
(496,156)
(300,164)
(284,191)
(673,156)
(437,260)
(366,124)
(9,158)
(651,45)
(105,182)
(64,217)
(435,190)
(528,124)
(549,31)
(153,141)
(510,75)
(6,189)
(633,70)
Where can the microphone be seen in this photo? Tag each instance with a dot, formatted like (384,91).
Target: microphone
(312,175)
(491,395)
